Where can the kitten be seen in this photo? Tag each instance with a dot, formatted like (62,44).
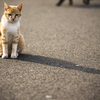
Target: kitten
(11,40)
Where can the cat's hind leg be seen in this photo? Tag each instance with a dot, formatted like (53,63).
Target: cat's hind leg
(0,45)
(21,44)
(0,42)
(0,48)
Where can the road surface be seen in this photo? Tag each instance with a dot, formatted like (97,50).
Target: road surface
(61,58)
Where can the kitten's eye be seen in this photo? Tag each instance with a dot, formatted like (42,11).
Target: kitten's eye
(16,15)
(9,14)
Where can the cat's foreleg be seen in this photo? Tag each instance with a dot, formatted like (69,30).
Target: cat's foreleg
(4,44)
(5,49)
(14,53)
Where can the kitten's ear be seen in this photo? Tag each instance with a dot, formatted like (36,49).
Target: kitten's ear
(6,6)
(19,7)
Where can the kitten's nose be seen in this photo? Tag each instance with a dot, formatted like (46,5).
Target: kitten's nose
(13,19)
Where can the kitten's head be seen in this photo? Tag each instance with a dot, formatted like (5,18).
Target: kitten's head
(12,13)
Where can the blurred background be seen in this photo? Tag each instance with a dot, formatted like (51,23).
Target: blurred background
(61,59)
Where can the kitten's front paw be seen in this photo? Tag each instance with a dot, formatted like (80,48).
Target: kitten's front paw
(4,56)
(14,55)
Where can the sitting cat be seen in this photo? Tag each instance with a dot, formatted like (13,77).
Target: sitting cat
(71,2)
(11,40)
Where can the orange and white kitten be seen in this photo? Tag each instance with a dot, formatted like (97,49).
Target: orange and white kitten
(11,40)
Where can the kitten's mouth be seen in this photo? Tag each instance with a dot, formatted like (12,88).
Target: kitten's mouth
(13,19)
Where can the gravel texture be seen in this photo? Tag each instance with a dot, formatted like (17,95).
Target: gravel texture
(61,58)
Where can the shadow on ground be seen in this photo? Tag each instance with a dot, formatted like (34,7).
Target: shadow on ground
(56,63)
(91,6)
(97,6)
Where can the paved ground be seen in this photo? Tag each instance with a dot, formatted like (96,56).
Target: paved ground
(61,59)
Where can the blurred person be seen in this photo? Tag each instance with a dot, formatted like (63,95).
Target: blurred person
(71,2)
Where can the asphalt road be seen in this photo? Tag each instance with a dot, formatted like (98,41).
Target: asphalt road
(61,58)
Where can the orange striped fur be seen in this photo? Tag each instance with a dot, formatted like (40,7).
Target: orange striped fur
(11,40)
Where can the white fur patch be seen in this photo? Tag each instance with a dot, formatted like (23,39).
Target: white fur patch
(10,27)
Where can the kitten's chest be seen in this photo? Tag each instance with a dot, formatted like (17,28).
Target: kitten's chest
(12,28)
